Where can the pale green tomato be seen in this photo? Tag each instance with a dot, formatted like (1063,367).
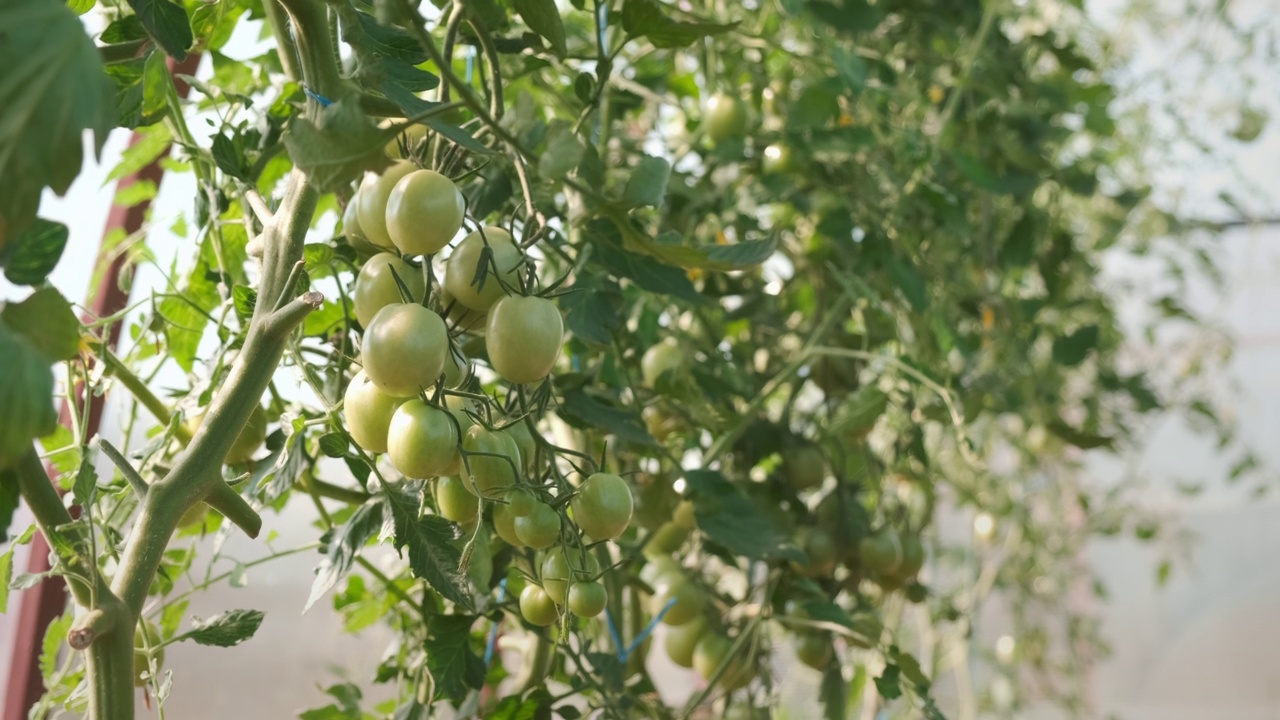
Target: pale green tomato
(804,466)
(712,650)
(461,317)
(460,269)
(660,359)
(421,441)
(685,516)
(659,567)
(587,599)
(491,475)
(424,212)
(523,336)
(456,368)
(519,432)
(368,411)
(688,597)
(912,556)
(194,516)
(536,606)
(814,649)
(665,540)
(602,507)
(454,501)
(881,552)
(682,639)
(504,523)
(725,117)
(778,159)
(376,287)
(404,349)
(372,202)
(522,502)
(820,547)
(412,135)
(559,567)
(539,528)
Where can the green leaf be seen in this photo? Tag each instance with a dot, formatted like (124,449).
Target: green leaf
(152,142)
(543,17)
(337,148)
(643,270)
(591,309)
(513,708)
(646,18)
(26,394)
(648,182)
(155,86)
(344,547)
(85,488)
(46,321)
(432,556)
(728,518)
(275,475)
(723,258)
(35,252)
(582,410)
(889,684)
(1080,438)
(564,150)
(454,666)
(229,156)
(833,694)
(849,15)
(333,445)
(226,629)
(1074,348)
(167,24)
(52,89)
(51,648)
(81,7)
(412,710)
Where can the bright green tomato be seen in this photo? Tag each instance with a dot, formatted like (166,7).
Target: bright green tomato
(682,639)
(881,552)
(522,502)
(491,473)
(814,649)
(424,212)
(724,117)
(404,349)
(421,441)
(712,650)
(454,501)
(537,607)
(559,567)
(376,287)
(804,466)
(587,599)
(602,507)
(151,639)
(688,599)
(540,528)
(523,337)
(523,438)
(372,202)
(456,368)
(660,359)
(460,269)
(369,411)
(504,523)
(778,159)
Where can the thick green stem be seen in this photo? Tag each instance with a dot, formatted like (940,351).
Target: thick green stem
(285,48)
(50,513)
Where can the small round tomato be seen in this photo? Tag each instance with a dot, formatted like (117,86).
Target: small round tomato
(368,411)
(540,528)
(146,636)
(536,606)
(523,438)
(724,117)
(492,472)
(522,502)
(681,640)
(881,552)
(504,523)
(422,441)
(912,556)
(804,466)
(372,202)
(404,349)
(659,421)
(713,650)
(916,592)
(456,368)
(814,649)
(454,501)
(560,567)
(820,547)
(687,596)
(602,507)
(659,360)
(424,212)
(523,336)
(376,287)
(778,159)
(460,269)
(461,317)
(587,599)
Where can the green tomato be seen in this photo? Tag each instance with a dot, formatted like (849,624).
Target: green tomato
(540,528)
(804,466)
(602,507)
(146,635)
(725,117)
(537,607)
(371,200)
(195,516)
(523,438)
(376,287)
(369,412)
(867,630)
(665,540)
(522,502)
(251,437)
(491,475)
(916,592)
(421,441)
(461,317)
(454,501)
(820,547)
(778,159)
(912,556)
(688,597)
(523,336)
(404,349)
(714,649)
(660,359)
(814,649)
(412,135)
(560,567)
(654,500)
(456,368)
(504,523)
(684,516)
(881,552)
(460,269)
(424,212)
(351,228)
(681,640)
(587,599)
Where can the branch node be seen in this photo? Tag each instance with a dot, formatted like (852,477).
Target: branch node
(88,628)
(126,468)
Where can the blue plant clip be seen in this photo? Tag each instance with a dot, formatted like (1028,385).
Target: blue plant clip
(324,101)
(613,631)
(644,634)
(493,633)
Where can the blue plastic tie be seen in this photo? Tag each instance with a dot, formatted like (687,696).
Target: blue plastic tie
(644,634)
(613,630)
(324,101)
(493,634)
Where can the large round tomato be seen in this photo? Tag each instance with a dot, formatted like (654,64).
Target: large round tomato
(714,649)
(454,501)
(422,441)
(602,507)
(491,473)
(146,636)
(536,606)
(460,270)
(539,528)
(376,287)
(659,360)
(369,411)
(814,649)
(682,639)
(404,349)
(523,336)
(804,466)
(560,567)
(688,598)
(724,117)
(504,523)
(587,599)
(372,202)
(424,212)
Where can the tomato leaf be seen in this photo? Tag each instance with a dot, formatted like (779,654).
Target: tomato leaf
(564,151)
(833,693)
(47,322)
(432,557)
(648,182)
(543,17)
(26,394)
(644,270)
(167,24)
(728,518)
(584,411)
(645,18)
(277,473)
(35,252)
(1072,349)
(226,629)
(591,309)
(513,708)
(344,547)
(738,256)
(454,666)
(339,146)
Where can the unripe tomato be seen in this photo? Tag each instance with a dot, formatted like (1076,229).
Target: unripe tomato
(820,548)
(145,635)
(682,639)
(251,436)
(712,650)
(804,466)
(659,421)
(912,556)
(688,599)
(504,523)
(540,528)
(778,159)
(814,649)
(456,368)
(372,202)
(522,502)
(404,349)
(460,269)
(560,567)
(660,359)
(194,516)
(659,567)
(462,317)
(536,606)
(654,500)
(351,225)
(368,411)
(867,630)
(421,440)
(523,336)
(455,502)
(881,552)
(376,287)
(685,516)
(523,438)
(424,212)
(916,592)
(602,507)
(587,599)
(491,475)
(725,117)
(665,540)
(411,135)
